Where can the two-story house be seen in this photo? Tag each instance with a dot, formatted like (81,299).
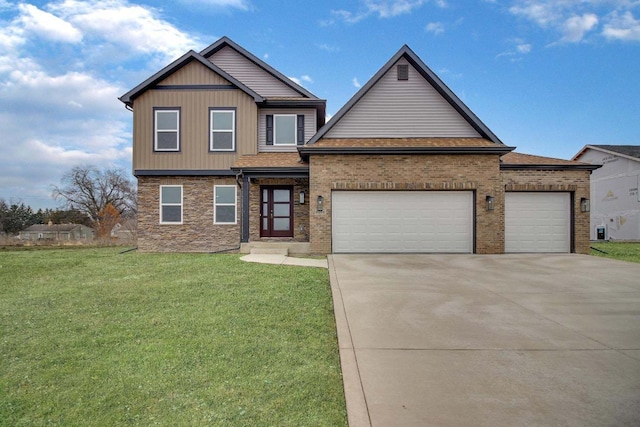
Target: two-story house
(229,152)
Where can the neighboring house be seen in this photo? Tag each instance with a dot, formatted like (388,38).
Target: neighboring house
(57,232)
(124,230)
(229,152)
(615,199)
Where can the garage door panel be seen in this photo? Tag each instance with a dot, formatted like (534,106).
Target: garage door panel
(537,222)
(402,221)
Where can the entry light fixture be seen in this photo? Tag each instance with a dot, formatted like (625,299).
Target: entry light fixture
(320,204)
(491,203)
(585,204)
(302,197)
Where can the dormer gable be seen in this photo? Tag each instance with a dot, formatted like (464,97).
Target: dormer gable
(177,66)
(405,99)
(252,71)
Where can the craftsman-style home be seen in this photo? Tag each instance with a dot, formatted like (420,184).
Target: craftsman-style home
(230,153)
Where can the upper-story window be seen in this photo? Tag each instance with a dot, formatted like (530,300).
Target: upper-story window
(285,129)
(222,124)
(166,123)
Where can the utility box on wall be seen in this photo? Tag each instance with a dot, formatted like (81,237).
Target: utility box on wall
(601,232)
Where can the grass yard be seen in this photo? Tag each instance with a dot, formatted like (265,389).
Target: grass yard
(624,251)
(91,337)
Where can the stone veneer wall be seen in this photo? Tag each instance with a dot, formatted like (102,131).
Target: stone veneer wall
(480,173)
(197,233)
(300,212)
(576,182)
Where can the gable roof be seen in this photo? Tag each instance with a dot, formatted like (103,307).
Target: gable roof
(631,152)
(185,59)
(519,161)
(430,77)
(227,42)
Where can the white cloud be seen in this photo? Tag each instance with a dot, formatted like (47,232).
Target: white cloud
(356,83)
(524,48)
(574,20)
(131,28)
(302,79)
(382,8)
(328,48)
(47,25)
(60,110)
(517,49)
(622,27)
(389,9)
(435,28)
(575,27)
(234,4)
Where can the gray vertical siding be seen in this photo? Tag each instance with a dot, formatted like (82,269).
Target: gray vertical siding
(250,74)
(402,109)
(309,127)
(194,130)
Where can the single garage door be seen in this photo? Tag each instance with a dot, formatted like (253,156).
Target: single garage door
(537,222)
(402,221)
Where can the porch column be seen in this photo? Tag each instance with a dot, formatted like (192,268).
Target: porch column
(244,238)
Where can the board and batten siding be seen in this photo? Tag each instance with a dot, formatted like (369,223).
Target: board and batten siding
(194,129)
(309,127)
(402,109)
(250,74)
(194,73)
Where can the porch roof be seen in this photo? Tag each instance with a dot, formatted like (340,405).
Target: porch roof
(272,164)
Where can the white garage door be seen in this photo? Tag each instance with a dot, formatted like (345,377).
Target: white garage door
(402,221)
(537,222)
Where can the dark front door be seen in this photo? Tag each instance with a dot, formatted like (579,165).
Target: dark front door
(276,213)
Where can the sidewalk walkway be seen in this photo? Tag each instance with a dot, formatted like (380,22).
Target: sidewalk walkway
(285,260)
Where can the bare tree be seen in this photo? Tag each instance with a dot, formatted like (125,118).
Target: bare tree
(89,190)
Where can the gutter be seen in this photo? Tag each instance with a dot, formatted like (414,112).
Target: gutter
(307,150)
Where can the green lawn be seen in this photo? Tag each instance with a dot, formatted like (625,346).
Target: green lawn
(94,337)
(617,250)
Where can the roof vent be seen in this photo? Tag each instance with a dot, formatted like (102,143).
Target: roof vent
(403,72)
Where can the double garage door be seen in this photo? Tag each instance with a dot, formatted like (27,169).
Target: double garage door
(442,222)
(402,221)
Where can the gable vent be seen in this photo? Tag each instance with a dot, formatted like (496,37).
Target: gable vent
(403,72)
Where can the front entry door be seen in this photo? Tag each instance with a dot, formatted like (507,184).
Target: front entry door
(276,213)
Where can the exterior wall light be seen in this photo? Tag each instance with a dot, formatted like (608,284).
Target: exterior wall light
(320,205)
(491,203)
(585,204)
(301,197)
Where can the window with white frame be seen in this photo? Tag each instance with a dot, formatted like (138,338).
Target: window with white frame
(166,123)
(222,123)
(284,129)
(224,204)
(171,204)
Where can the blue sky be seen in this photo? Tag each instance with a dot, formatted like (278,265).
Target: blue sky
(547,76)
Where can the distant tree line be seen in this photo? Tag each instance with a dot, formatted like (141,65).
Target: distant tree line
(15,217)
(97,198)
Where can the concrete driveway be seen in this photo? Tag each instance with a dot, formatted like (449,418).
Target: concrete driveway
(488,340)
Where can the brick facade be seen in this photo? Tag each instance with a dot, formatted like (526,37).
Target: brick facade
(197,233)
(478,173)
(575,182)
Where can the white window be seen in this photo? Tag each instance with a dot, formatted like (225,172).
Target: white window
(166,129)
(223,130)
(171,204)
(224,204)
(284,129)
